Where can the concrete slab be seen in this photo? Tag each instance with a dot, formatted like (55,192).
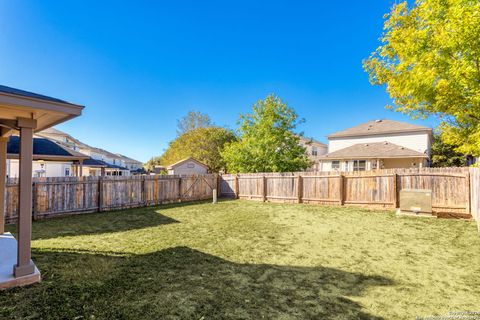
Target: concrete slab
(8,258)
(401,213)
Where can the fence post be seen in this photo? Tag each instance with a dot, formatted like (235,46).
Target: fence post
(84,189)
(143,195)
(395,191)
(264,188)
(468,204)
(299,188)
(155,190)
(235,185)
(180,188)
(219,184)
(34,202)
(341,187)
(100,193)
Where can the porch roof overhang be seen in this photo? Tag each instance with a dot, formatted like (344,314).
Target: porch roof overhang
(45,111)
(48,157)
(25,112)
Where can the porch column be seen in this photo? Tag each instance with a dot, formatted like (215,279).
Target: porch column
(24,265)
(3,178)
(378,164)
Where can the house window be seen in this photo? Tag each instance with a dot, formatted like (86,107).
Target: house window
(359,165)
(314,151)
(335,165)
(67,172)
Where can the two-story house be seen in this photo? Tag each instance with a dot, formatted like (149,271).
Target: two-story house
(315,150)
(378,144)
(100,160)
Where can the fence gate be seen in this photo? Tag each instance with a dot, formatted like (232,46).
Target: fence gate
(198,187)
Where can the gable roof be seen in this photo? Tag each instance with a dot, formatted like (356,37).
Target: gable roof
(176,164)
(29,94)
(127,159)
(90,162)
(378,127)
(43,147)
(374,150)
(55,132)
(47,111)
(307,140)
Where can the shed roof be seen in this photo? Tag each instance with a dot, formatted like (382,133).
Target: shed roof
(378,127)
(374,150)
(176,164)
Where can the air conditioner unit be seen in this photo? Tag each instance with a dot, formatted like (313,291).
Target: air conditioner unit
(416,201)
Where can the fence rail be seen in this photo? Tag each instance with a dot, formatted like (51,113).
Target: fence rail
(73,195)
(455,191)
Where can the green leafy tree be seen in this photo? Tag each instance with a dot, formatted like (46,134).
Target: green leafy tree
(266,140)
(193,120)
(444,155)
(429,61)
(203,144)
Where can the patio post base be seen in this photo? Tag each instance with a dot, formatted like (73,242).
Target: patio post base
(21,271)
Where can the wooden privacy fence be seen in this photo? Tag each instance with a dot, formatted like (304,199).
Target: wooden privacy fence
(72,195)
(475,194)
(452,191)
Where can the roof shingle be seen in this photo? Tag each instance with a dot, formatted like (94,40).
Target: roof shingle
(374,150)
(29,94)
(42,146)
(376,127)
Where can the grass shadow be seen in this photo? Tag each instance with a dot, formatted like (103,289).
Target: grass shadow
(97,223)
(104,222)
(183,283)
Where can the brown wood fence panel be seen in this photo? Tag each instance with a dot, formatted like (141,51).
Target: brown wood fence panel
(370,190)
(11,200)
(227,185)
(452,188)
(450,192)
(250,187)
(73,195)
(281,188)
(121,192)
(197,187)
(322,189)
(63,195)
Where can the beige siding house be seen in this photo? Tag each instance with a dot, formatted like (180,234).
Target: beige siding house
(112,164)
(49,159)
(188,166)
(379,144)
(315,150)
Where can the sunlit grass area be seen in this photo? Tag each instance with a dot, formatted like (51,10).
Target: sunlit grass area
(249,260)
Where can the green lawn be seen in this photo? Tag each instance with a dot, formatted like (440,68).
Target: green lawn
(249,260)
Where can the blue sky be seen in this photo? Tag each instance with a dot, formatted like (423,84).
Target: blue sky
(138,66)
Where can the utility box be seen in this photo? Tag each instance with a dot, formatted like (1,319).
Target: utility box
(416,200)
